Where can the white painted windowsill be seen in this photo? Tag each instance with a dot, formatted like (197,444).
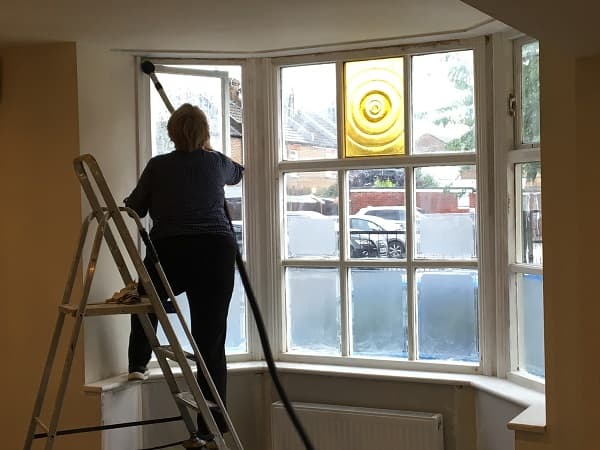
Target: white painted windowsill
(532,419)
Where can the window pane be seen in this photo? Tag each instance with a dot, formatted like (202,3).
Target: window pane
(530,301)
(530,238)
(443,107)
(308,112)
(446,212)
(447,314)
(204,92)
(313,311)
(379,313)
(530,93)
(236,341)
(311,215)
(374,107)
(377,223)
(237,337)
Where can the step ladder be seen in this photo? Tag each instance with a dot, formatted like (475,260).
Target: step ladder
(106,213)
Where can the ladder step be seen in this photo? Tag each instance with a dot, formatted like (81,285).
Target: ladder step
(167,352)
(188,399)
(42,425)
(105,309)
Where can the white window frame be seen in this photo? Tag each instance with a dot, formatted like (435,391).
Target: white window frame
(143,89)
(481,158)
(519,153)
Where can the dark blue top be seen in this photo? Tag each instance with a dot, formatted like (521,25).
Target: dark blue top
(184,192)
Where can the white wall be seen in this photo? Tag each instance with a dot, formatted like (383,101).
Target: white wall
(107,130)
(473,420)
(493,414)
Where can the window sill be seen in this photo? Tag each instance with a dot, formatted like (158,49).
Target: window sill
(532,419)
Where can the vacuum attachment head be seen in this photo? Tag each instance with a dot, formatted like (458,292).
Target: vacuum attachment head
(147,67)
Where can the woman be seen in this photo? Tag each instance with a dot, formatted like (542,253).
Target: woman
(184,193)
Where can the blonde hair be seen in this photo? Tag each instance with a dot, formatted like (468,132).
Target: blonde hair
(188,128)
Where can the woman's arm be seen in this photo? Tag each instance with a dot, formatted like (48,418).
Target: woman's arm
(232,170)
(139,199)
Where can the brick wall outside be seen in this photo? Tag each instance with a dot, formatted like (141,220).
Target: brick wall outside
(430,201)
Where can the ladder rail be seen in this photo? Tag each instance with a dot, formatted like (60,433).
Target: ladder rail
(97,210)
(43,387)
(64,379)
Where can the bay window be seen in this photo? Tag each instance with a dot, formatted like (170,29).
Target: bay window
(378,195)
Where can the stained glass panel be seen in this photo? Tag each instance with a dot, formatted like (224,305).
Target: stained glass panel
(374,107)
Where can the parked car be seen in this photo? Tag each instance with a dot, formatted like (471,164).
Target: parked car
(381,229)
(394,214)
(363,245)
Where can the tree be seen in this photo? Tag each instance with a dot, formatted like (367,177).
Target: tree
(530,92)
(461,112)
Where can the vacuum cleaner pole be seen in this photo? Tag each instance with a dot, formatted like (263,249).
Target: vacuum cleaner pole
(148,68)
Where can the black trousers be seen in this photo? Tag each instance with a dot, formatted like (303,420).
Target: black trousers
(202,266)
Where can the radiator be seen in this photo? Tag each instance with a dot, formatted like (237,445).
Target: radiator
(350,428)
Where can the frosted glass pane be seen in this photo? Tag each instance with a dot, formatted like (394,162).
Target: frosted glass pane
(309,112)
(374,107)
(311,215)
(237,333)
(313,311)
(236,341)
(445,220)
(443,107)
(379,313)
(447,314)
(530,302)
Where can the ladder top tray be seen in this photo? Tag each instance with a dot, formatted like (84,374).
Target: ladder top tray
(105,309)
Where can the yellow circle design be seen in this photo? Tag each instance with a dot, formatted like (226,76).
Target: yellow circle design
(375,108)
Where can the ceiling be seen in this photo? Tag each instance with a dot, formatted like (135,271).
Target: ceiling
(244,26)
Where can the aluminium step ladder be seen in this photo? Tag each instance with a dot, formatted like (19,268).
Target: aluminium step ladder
(105,212)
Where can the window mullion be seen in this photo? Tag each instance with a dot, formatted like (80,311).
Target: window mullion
(411,291)
(409,200)
(345,312)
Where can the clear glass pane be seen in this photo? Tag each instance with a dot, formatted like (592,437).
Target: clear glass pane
(234,196)
(445,223)
(530,93)
(377,222)
(204,92)
(443,107)
(374,107)
(447,314)
(529,235)
(530,303)
(379,313)
(308,112)
(236,341)
(311,214)
(313,311)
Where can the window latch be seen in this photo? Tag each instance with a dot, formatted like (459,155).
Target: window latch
(512,104)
